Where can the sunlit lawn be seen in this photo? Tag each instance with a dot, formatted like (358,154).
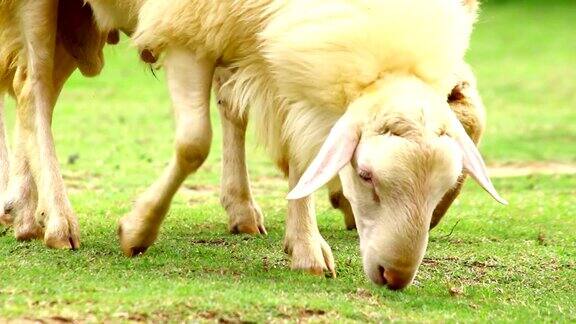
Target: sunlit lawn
(485,262)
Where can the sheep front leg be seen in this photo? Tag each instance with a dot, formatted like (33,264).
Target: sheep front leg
(244,215)
(5,218)
(189,83)
(4,162)
(22,197)
(340,202)
(303,241)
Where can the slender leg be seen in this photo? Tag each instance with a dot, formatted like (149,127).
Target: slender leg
(303,241)
(338,201)
(23,200)
(466,103)
(4,161)
(36,100)
(5,218)
(23,197)
(244,214)
(189,82)
(33,145)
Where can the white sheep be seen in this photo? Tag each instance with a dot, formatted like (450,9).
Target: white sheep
(355,88)
(350,88)
(41,43)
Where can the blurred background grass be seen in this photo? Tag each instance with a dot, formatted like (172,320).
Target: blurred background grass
(524,55)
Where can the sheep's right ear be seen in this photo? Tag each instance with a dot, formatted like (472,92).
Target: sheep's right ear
(335,153)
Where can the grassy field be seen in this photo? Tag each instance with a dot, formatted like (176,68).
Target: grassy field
(485,262)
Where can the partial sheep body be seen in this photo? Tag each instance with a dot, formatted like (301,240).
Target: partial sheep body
(351,88)
(319,58)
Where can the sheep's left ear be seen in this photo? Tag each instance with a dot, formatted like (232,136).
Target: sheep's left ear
(472,160)
(335,153)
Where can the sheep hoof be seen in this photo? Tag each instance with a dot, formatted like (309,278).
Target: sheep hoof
(28,232)
(134,240)
(350,224)
(245,229)
(9,207)
(6,220)
(21,217)
(62,232)
(313,256)
(136,251)
(340,202)
(246,218)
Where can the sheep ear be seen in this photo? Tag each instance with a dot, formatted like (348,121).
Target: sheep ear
(472,160)
(335,153)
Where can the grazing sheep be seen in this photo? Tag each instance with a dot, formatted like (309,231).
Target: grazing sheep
(350,88)
(41,43)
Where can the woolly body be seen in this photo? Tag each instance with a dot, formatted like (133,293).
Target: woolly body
(300,64)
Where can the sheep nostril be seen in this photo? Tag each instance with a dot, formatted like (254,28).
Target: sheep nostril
(382,272)
(395,280)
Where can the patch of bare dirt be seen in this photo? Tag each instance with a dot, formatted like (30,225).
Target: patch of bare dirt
(302,315)
(267,184)
(77,182)
(213,242)
(49,320)
(199,193)
(218,318)
(510,170)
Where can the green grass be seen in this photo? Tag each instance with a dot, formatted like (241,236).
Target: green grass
(484,262)
(524,55)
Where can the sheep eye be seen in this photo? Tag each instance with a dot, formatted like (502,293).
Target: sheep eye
(365,175)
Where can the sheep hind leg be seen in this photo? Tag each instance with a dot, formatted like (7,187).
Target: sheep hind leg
(189,83)
(340,202)
(309,251)
(466,103)
(244,214)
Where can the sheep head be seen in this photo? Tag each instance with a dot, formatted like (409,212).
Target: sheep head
(398,149)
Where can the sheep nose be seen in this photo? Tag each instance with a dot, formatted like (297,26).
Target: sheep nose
(395,280)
